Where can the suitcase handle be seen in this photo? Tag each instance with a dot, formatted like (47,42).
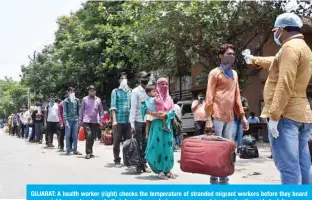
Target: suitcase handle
(233,157)
(217,138)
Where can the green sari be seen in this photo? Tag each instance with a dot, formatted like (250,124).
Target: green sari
(160,145)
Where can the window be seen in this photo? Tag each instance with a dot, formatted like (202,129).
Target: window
(187,108)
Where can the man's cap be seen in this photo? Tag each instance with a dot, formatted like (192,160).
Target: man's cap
(70,89)
(287,20)
(144,74)
(90,87)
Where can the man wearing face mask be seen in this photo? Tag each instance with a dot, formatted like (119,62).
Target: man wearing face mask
(120,109)
(198,109)
(137,123)
(52,119)
(286,105)
(37,118)
(91,108)
(223,99)
(71,107)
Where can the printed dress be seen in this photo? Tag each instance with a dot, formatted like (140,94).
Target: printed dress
(160,146)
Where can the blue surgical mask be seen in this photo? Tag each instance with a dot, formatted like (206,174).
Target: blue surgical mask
(276,38)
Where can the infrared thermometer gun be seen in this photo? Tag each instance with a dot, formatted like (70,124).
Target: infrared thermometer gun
(247,55)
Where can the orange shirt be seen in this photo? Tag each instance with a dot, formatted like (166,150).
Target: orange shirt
(223,96)
(199,111)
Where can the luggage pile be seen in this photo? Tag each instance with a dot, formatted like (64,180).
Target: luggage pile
(248,149)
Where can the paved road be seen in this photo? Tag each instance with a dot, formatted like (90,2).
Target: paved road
(24,163)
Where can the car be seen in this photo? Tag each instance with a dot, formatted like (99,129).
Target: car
(187,117)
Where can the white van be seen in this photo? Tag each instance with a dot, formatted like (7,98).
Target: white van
(187,117)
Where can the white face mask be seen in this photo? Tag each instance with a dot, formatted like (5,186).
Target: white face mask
(38,109)
(124,84)
(72,96)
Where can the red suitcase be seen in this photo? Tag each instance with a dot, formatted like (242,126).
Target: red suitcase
(208,154)
(108,139)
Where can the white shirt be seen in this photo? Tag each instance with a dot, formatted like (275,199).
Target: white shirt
(137,96)
(53,113)
(26,116)
(177,110)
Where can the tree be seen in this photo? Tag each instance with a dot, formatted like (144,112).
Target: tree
(13,97)
(81,54)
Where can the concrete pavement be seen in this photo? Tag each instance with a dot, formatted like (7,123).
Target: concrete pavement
(24,163)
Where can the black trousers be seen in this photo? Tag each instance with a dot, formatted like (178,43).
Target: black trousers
(51,130)
(200,127)
(14,129)
(122,131)
(22,130)
(90,132)
(61,137)
(140,137)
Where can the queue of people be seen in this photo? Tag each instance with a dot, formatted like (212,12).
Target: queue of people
(146,112)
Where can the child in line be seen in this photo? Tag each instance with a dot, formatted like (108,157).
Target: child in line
(151,106)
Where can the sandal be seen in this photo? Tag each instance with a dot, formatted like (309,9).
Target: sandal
(170,175)
(146,170)
(161,175)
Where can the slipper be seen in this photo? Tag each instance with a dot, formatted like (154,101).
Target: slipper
(162,176)
(170,175)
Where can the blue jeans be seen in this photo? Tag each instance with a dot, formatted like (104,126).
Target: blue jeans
(26,130)
(223,129)
(71,131)
(238,133)
(291,151)
(178,141)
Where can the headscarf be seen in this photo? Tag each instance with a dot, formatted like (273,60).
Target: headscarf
(164,101)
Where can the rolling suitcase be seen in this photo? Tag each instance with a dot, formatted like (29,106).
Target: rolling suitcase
(208,154)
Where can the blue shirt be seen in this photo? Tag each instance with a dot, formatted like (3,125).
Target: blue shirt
(121,101)
(150,103)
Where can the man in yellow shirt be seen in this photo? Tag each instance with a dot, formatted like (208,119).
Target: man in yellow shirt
(286,103)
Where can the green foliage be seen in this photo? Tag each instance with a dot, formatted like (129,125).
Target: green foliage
(13,96)
(102,39)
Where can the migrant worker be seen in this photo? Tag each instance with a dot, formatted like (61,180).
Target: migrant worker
(52,119)
(91,108)
(138,124)
(120,109)
(71,106)
(37,118)
(223,99)
(198,109)
(160,146)
(62,128)
(286,105)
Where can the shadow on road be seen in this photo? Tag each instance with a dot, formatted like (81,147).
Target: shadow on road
(111,165)
(150,178)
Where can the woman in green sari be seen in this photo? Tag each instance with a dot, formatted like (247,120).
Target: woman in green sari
(160,146)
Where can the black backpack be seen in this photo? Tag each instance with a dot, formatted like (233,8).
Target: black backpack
(248,152)
(131,152)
